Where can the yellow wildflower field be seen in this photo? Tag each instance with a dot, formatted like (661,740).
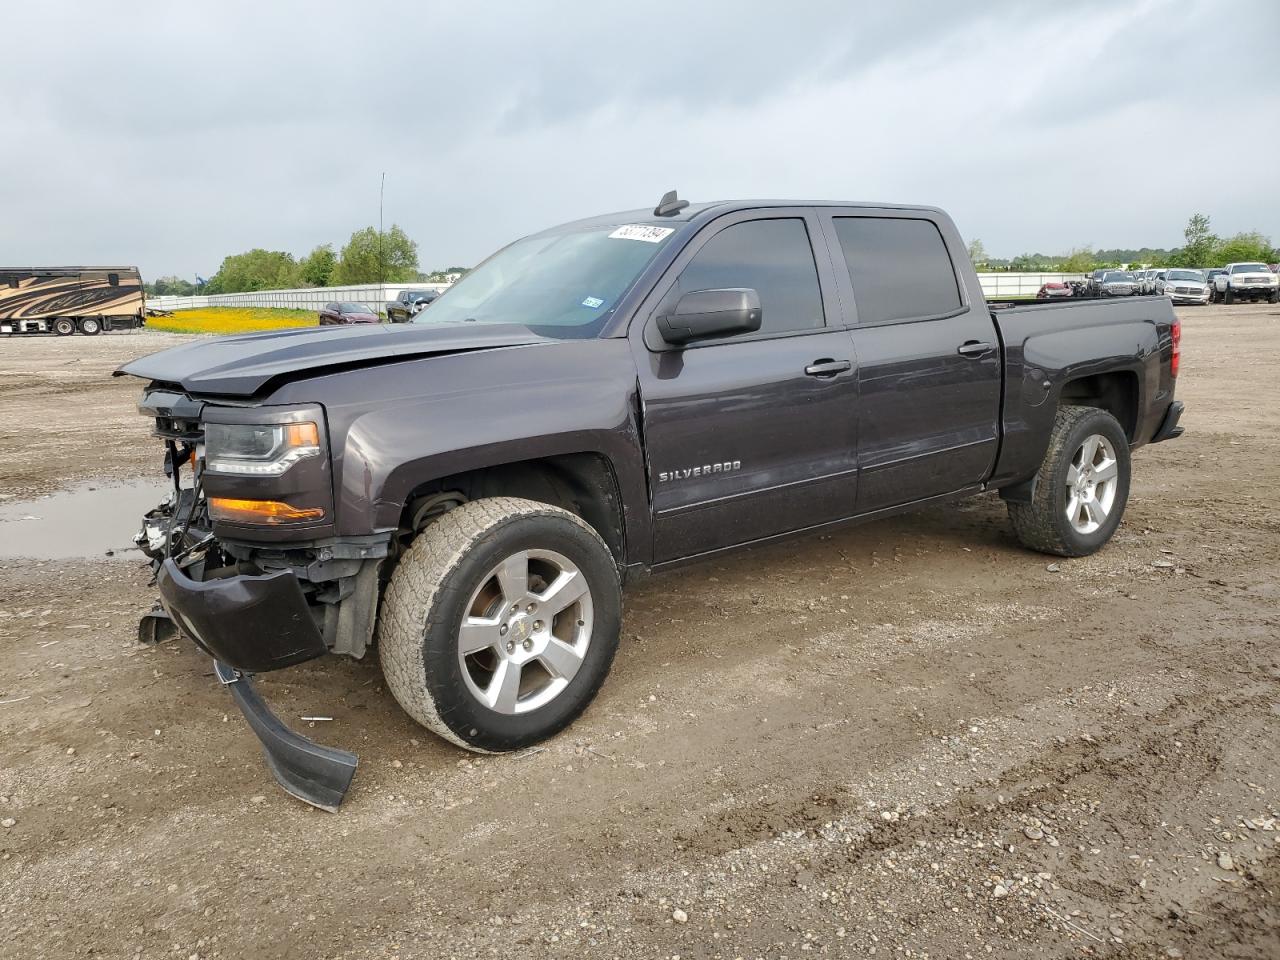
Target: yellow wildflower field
(233,320)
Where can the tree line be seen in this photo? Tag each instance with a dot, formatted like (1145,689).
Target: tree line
(1201,248)
(369,256)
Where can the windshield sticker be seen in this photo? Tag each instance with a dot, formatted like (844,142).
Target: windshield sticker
(592,302)
(639,231)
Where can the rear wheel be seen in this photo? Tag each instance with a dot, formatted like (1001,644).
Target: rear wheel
(500,623)
(1081,488)
(64,326)
(90,327)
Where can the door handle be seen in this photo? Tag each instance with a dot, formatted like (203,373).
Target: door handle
(827,367)
(975,348)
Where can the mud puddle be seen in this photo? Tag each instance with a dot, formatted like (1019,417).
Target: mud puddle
(89,520)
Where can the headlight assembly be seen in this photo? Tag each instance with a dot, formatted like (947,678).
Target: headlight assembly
(258,450)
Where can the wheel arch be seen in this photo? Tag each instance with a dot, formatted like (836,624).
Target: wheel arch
(1117,392)
(584,483)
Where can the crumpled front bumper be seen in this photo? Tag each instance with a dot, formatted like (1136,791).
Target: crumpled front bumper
(251,623)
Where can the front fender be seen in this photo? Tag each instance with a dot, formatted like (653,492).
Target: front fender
(398,427)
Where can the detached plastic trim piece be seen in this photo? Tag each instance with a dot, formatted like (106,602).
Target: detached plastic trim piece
(315,774)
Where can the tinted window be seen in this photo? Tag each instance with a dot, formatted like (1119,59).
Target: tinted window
(900,268)
(113,279)
(772,257)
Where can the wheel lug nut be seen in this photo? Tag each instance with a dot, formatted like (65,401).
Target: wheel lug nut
(502,630)
(528,644)
(537,624)
(530,608)
(511,646)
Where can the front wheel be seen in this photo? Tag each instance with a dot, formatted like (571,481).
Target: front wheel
(1229,296)
(1081,488)
(500,623)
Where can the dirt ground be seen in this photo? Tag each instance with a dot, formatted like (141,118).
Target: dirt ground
(909,739)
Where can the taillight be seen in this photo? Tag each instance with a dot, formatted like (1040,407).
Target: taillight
(1177,348)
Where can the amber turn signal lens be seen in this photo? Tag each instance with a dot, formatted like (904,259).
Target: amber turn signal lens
(261,511)
(302,435)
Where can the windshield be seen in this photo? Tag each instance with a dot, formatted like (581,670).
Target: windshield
(1250,268)
(353,308)
(1117,278)
(1195,275)
(562,285)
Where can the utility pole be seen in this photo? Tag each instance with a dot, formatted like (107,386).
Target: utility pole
(381,192)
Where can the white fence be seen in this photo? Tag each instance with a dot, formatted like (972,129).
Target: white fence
(377,294)
(310,298)
(997,285)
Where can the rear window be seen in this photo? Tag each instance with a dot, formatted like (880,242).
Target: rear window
(900,268)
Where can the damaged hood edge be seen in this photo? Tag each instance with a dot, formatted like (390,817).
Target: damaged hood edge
(242,365)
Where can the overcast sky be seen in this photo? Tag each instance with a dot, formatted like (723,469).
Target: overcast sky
(172,134)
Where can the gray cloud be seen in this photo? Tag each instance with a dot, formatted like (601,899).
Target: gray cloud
(171,135)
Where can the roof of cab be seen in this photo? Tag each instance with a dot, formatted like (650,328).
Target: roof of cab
(696,211)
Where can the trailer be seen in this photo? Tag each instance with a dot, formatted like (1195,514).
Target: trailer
(68,300)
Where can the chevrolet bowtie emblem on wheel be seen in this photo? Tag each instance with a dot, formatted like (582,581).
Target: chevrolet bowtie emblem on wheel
(687,473)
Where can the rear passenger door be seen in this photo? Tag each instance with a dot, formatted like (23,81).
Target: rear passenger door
(929,361)
(753,435)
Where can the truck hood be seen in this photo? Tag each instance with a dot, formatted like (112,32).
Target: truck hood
(243,365)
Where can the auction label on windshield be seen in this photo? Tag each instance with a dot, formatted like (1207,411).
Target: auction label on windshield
(640,231)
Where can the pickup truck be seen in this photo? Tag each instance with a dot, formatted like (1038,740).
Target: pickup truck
(1251,281)
(467,493)
(409,304)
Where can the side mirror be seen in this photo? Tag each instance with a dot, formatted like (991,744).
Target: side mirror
(711,313)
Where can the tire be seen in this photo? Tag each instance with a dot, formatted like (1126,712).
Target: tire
(64,326)
(90,327)
(451,572)
(1043,524)
(1228,296)
(1275,297)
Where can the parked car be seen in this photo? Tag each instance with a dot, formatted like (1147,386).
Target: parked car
(1115,283)
(335,313)
(1052,290)
(1253,281)
(1184,286)
(409,304)
(627,393)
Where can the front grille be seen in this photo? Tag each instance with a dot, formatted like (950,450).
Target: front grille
(175,428)
(1186,290)
(177,415)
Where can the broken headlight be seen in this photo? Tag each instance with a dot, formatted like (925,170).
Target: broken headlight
(258,450)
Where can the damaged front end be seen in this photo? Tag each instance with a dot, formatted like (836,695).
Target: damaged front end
(248,567)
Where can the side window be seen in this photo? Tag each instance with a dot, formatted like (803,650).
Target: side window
(900,268)
(775,259)
(113,279)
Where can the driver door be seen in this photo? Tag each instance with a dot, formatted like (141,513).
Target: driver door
(750,436)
